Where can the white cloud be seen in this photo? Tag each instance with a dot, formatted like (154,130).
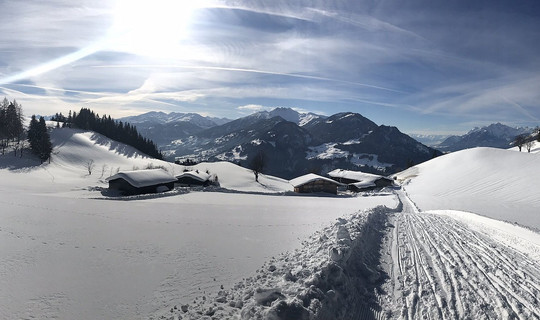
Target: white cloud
(252,108)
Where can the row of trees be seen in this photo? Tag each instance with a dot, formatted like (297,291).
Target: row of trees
(11,125)
(39,138)
(117,130)
(14,137)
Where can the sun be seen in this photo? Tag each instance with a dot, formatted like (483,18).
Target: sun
(153,28)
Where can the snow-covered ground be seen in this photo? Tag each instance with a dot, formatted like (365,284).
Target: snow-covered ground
(68,252)
(439,267)
(257,251)
(492,182)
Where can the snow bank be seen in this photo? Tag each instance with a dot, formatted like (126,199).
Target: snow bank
(496,183)
(332,276)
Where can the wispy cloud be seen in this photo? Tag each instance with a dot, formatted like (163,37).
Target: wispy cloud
(408,62)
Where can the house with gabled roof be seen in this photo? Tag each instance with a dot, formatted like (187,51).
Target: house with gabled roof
(314,183)
(360,181)
(141,181)
(193,178)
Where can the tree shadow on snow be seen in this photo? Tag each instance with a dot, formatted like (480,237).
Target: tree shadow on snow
(15,163)
(116,146)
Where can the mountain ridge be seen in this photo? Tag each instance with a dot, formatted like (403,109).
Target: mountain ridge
(495,135)
(293,142)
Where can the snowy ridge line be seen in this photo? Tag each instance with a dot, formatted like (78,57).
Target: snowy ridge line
(335,275)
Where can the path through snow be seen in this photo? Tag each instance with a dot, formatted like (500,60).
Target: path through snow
(385,264)
(438,268)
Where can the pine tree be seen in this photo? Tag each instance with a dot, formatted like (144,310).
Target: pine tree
(39,138)
(33,133)
(45,145)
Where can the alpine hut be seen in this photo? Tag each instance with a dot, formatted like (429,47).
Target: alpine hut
(193,178)
(314,183)
(360,181)
(141,181)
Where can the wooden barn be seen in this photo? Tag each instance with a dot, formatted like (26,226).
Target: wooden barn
(314,183)
(141,181)
(193,178)
(360,181)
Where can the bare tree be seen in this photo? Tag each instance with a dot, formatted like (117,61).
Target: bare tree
(520,140)
(103,168)
(529,144)
(89,165)
(257,164)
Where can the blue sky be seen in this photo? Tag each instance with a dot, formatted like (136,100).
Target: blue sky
(423,66)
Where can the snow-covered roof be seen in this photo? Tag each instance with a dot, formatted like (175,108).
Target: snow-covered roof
(197,175)
(364,184)
(144,178)
(310,177)
(354,175)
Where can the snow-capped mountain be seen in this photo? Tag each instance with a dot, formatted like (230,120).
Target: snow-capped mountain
(496,135)
(308,143)
(163,127)
(300,118)
(429,140)
(158,117)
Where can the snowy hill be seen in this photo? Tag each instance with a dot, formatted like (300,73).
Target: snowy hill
(500,184)
(75,150)
(496,135)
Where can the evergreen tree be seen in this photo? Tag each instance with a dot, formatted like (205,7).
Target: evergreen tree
(33,133)
(11,124)
(13,120)
(39,138)
(44,142)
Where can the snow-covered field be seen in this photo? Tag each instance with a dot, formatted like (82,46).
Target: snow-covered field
(69,253)
(492,182)
(253,251)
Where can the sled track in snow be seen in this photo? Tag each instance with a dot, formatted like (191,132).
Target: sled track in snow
(440,269)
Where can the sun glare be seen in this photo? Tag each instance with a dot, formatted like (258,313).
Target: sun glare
(153,28)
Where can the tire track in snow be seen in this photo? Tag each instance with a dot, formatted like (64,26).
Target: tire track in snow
(441,269)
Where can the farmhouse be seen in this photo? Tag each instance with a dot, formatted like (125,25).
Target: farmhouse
(193,178)
(141,181)
(360,181)
(314,183)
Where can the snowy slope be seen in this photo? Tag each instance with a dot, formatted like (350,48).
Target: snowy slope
(68,252)
(73,149)
(496,183)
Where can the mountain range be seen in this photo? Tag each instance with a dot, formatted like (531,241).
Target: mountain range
(293,143)
(496,135)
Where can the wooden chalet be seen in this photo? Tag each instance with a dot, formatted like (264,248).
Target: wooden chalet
(360,181)
(141,181)
(193,178)
(314,183)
